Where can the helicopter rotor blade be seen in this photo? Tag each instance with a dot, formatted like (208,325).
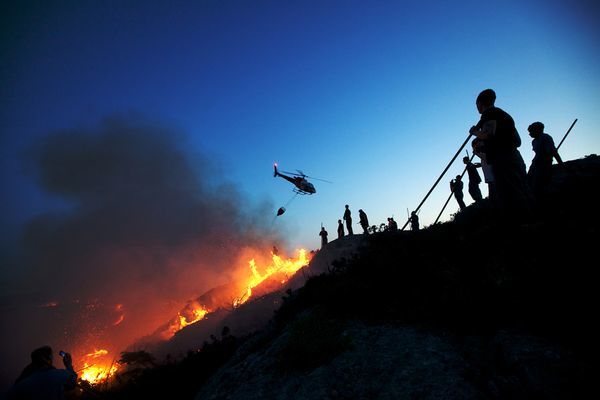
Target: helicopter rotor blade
(289,173)
(318,179)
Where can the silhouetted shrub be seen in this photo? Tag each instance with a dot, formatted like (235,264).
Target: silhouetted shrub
(314,339)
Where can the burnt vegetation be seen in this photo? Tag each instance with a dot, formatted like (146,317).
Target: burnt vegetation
(468,279)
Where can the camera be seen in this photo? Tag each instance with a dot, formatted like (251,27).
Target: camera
(62,353)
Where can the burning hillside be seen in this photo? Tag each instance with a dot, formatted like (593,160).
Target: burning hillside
(142,227)
(100,364)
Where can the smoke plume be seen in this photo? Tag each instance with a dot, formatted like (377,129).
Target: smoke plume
(145,227)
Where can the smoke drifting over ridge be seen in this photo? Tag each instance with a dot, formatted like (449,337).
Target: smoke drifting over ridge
(145,229)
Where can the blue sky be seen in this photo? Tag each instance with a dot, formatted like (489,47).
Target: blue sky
(373,96)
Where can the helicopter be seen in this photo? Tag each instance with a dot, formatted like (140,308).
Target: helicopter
(302,185)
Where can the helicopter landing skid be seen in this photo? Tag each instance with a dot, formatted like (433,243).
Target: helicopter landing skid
(302,192)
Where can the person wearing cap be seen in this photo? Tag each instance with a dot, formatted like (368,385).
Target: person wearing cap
(540,171)
(41,380)
(456,186)
(497,130)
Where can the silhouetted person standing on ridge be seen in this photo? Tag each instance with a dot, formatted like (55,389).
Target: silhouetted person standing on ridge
(323,235)
(456,186)
(392,225)
(540,171)
(474,179)
(340,229)
(41,380)
(348,219)
(497,130)
(414,221)
(364,221)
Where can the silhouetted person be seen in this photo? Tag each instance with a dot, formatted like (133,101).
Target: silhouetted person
(414,221)
(540,171)
(456,186)
(275,251)
(41,380)
(364,221)
(323,235)
(474,179)
(348,219)
(392,225)
(497,130)
(340,229)
(488,175)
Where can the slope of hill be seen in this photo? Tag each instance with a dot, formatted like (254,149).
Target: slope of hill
(474,308)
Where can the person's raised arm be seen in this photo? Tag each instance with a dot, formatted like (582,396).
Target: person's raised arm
(485,131)
(72,379)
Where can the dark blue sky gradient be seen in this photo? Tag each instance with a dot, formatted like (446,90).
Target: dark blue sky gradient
(374,96)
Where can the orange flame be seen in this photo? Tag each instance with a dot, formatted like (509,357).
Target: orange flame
(96,373)
(278,265)
(197,313)
(96,367)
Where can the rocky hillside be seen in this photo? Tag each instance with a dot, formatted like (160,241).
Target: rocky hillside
(477,308)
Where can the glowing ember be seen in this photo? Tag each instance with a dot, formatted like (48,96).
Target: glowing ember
(119,320)
(97,353)
(51,304)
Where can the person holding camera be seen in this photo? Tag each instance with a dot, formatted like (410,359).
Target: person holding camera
(41,380)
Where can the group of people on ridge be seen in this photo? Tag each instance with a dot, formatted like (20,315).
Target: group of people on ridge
(496,143)
(392,225)
(511,188)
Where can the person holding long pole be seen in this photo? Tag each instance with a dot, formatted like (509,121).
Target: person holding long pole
(497,130)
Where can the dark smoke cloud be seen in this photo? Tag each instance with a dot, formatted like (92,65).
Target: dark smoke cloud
(146,225)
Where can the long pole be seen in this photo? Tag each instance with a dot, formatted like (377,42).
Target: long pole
(449,197)
(564,137)
(438,179)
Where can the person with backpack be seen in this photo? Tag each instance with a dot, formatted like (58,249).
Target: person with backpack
(497,130)
(456,187)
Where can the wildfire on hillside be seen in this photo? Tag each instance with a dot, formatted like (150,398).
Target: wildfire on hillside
(99,365)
